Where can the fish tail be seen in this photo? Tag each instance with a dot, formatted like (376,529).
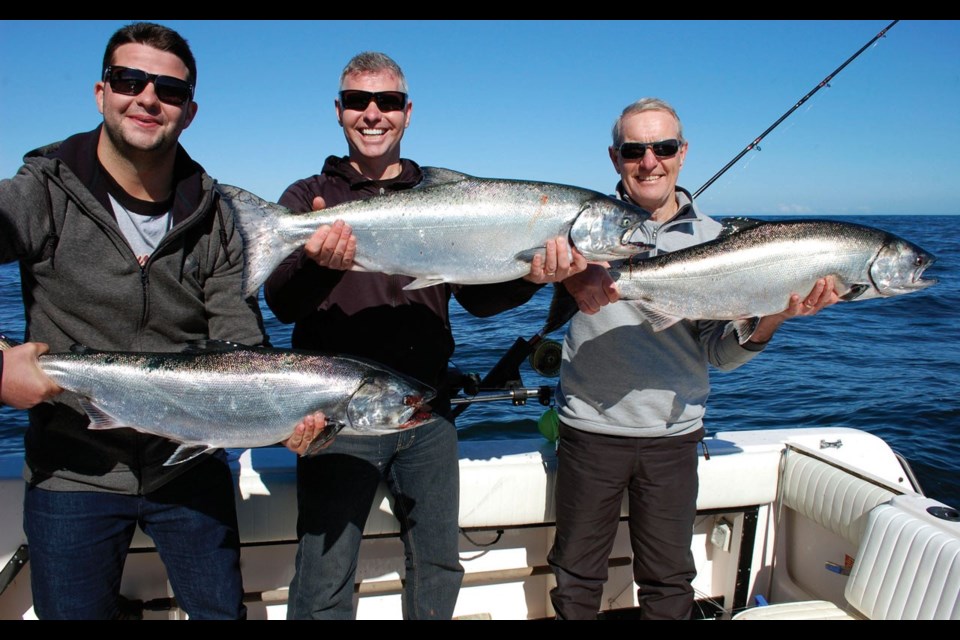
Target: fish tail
(264,247)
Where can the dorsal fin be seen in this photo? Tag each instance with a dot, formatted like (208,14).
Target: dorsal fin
(737,224)
(82,349)
(432,176)
(209,345)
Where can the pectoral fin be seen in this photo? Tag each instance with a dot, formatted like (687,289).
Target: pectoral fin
(528,254)
(332,429)
(855,292)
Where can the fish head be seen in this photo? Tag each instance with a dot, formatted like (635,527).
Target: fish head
(898,268)
(609,229)
(386,402)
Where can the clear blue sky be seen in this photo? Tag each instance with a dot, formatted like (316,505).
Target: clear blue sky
(535,100)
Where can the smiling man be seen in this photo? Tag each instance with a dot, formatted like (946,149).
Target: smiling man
(371,315)
(122,248)
(632,401)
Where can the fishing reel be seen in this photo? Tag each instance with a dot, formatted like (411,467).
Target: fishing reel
(546,357)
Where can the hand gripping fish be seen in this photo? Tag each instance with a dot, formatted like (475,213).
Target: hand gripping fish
(450,228)
(223,395)
(753,267)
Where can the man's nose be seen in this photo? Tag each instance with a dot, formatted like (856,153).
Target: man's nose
(148,97)
(372,112)
(649,159)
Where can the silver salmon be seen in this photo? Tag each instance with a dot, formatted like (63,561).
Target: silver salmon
(752,269)
(235,397)
(450,228)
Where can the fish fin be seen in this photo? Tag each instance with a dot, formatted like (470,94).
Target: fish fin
(737,224)
(256,221)
(187,452)
(855,292)
(433,176)
(82,349)
(208,345)
(527,254)
(99,419)
(744,328)
(329,433)
(658,319)
(423,283)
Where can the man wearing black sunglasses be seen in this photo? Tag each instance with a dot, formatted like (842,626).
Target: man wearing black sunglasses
(372,316)
(122,248)
(631,401)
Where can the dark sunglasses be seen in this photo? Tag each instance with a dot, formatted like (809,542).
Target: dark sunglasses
(661,149)
(357,100)
(132,82)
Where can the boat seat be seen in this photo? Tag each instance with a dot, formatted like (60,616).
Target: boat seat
(808,610)
(907,568)
(828,495)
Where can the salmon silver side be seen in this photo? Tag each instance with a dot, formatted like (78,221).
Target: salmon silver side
(752,269)
(237,397)
(451,228)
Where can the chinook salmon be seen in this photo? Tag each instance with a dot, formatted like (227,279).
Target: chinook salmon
(753,267)
(450,228)
(231,396)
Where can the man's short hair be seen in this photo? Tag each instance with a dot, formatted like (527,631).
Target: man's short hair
(644,104)
(156,36)
(372,62)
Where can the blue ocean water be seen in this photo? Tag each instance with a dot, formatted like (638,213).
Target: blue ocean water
(890,367)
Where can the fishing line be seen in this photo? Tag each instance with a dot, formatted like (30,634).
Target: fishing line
(507,368)
(823,83)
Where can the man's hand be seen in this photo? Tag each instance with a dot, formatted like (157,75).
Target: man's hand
(306,431)
(592,288)
(332,246)
(557,264)
(24,383)
(823,294)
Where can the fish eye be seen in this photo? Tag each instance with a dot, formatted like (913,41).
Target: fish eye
(626,221)
(918,261)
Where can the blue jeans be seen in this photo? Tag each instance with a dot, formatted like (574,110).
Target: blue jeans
(335,491)
(79,542)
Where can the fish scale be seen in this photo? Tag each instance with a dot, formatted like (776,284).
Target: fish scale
(233,396)
(753,268)
(451,228)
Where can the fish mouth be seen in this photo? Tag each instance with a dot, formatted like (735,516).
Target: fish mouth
(422,411)
(637,239)
(918,281)
(422,416)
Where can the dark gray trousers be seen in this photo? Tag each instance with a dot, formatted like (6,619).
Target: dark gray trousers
(660,476)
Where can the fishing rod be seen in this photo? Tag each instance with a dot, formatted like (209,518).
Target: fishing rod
(823,83)
(545,354)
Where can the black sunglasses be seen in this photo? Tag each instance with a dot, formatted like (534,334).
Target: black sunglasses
(661,149)
(132,82)
(357,100)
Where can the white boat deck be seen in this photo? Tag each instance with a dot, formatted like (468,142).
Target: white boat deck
(507,502)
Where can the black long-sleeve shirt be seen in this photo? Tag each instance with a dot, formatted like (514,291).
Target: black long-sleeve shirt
(370,315)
